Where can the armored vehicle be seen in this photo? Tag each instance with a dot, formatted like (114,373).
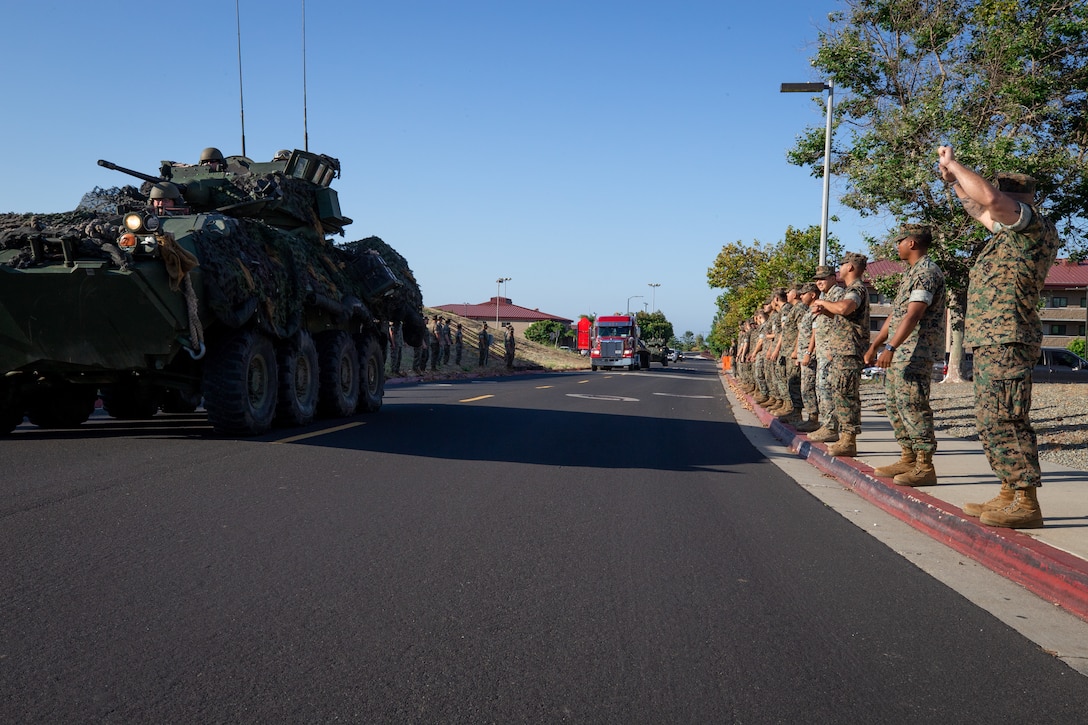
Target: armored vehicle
(225,290)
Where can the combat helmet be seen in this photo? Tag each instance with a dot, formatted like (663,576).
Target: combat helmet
(164,190)
(213,155)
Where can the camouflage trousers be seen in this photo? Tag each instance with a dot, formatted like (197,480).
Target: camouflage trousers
(906,396)
(808,389)
(782,388)
(759,368)
(793,383)
(1002,408)
(826,404)
(845,379)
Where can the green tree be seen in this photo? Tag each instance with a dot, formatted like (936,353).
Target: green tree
(1076,346)
(654,326)
(748,273)
(548,332)
(1002,81)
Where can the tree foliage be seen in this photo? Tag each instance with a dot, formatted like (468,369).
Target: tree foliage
(654,326)
(748,273)
(1004,82)
(548,332)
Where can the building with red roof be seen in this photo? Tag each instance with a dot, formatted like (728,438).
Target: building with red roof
(498,310)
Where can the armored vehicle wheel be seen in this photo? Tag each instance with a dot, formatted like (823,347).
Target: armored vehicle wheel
(129,401)
(297,361)
(62,406)
(372,367)
(338,365)
(11,412)
(240,384)
(178,401)
(593,368)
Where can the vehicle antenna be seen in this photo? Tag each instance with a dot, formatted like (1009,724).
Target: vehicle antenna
(305,126)
(241,102)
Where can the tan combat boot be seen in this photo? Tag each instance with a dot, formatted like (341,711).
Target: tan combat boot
(923,473)
(810,425)
(760,398)
(1022,513)
(772,405)
(823,434)
(1000,501)
(792,417)
(785,410)
(846,445)
(903,465)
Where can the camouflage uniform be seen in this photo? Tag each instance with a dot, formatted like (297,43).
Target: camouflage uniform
(458,344)
(821,328)
(1003,327)
(848,336)
(445,340)
(791,369)
(434,344)
(771,367)
(906,384)
(483,343)
(396,348)
(808,372)
(759,367)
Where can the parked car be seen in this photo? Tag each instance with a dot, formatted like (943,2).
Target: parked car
(675,356)
(1058,365)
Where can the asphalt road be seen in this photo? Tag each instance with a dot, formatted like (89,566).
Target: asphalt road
(593,547)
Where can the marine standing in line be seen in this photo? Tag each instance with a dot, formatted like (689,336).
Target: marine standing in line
(458,344)
(911,339)
(847,342)
(806,359)
(831,291)
(758,359)
(483,340)
(508,345)
(433,343)
(1003,327)
(396,346)
(770,348)
(790,410)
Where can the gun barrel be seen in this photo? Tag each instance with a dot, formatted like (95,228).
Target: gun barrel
(131,172)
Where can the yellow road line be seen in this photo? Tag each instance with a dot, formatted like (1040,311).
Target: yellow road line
(478,397)
(543,387)
(317,433)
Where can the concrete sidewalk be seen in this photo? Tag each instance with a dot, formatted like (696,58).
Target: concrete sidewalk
(1052,561)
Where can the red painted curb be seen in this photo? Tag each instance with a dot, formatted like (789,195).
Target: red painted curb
(1051,573)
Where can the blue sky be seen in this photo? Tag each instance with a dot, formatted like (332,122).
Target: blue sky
(582,148)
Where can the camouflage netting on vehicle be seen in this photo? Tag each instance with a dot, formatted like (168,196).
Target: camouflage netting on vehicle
(92,227)
(252,267)
(405,302)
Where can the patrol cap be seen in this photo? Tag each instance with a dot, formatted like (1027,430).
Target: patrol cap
(920,232)
(809,287)
(1015,183)
(823,272)
(859,261)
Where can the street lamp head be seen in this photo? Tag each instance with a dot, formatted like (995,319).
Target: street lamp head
(804,87)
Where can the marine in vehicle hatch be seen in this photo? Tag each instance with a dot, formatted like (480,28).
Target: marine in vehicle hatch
(212,158)
(166,199)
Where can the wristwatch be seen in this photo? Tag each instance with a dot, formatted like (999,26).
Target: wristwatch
(889,348)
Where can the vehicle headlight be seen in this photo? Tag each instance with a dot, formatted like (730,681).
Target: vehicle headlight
(133,222)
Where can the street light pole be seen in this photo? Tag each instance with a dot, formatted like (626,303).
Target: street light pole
(632,297)
(820,88)
(498,290)
(653,295)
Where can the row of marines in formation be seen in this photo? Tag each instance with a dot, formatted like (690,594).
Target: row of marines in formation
(440,341)
(805,349)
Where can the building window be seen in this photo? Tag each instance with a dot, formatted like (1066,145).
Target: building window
(1080,330)
(1082,301)
(1059,301)
(1057,329)
(875,323)
(874,298)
